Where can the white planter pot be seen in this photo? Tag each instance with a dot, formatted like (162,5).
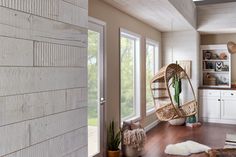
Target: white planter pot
(179,121)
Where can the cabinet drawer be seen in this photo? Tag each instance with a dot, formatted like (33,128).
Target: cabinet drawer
(211,93)
(228,94)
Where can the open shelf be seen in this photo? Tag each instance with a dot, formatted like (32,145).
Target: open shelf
(215,60)
(215,66)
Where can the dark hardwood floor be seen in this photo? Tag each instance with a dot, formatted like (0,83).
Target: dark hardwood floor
(163,134)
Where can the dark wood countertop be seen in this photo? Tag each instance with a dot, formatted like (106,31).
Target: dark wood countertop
(215,88)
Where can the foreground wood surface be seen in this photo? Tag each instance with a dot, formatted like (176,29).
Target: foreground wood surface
(163,134)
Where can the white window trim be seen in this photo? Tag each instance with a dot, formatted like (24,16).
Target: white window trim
(156,66)
(137,73)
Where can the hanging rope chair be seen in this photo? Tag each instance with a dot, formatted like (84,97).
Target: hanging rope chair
(161,85)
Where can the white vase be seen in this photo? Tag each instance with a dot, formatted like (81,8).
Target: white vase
(179,121)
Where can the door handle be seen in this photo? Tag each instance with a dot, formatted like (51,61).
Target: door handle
(102,101)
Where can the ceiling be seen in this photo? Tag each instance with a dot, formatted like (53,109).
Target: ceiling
(204,2)
(162,14)
(157,13)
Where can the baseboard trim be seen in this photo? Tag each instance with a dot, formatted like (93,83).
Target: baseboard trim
(152,125)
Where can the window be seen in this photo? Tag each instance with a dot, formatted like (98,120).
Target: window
(152,65)
(129,75)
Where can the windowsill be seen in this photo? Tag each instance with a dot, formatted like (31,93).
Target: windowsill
(133,119)
(150,111)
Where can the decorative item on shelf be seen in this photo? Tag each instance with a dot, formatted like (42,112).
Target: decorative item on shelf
(225,68)
(113,141)
(222,81)
(214,56)
(231,47)
(207,55)
(223,56)
(209,65)
(219,66)
(209,80)
(133,139)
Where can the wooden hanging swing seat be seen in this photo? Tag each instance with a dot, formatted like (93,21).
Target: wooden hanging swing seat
(160,88)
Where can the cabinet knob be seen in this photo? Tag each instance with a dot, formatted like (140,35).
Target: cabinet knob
(232,93)
(218,99)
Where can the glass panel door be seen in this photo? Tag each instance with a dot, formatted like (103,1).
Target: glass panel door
(96,99)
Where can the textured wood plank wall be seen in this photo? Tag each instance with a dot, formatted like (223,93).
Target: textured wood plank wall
(217,18)
(43,78)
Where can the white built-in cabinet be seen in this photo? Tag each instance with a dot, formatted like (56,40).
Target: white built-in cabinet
(218,106)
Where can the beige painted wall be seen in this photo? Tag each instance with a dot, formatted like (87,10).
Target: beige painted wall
(116,19)
(221,39)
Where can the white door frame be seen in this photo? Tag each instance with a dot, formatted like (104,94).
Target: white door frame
(100,26)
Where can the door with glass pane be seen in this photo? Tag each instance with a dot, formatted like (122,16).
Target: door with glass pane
(96,98)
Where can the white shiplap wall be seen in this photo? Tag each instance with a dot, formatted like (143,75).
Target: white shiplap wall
(185,46)
(217,18)
(43,78)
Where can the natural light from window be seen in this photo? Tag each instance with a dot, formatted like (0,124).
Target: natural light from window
(130,75)
(152,62)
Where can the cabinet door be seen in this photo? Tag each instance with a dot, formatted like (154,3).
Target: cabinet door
(228,108)
(210,107)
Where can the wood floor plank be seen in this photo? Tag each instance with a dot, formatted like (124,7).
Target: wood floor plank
(163,134)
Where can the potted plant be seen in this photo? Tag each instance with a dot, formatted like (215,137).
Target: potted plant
(113,141)
(177,85)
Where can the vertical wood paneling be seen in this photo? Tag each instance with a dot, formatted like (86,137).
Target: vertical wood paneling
(71,14)
(47,54)
(57,32)
(36,7)
(23,5)
(43,8)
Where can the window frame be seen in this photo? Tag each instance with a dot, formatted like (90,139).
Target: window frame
(137,73)
(156,61)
